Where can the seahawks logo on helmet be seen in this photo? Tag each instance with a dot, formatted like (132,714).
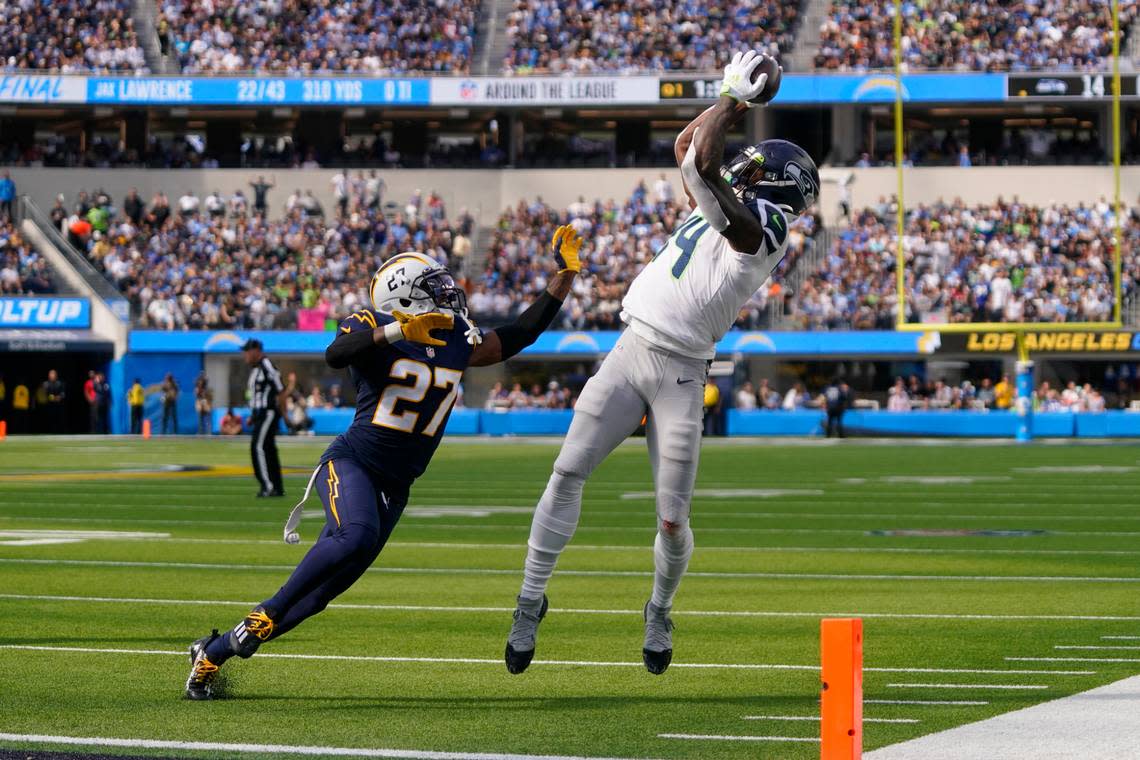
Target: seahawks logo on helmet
(803,179)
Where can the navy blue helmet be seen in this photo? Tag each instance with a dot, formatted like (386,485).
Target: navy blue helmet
(777,171)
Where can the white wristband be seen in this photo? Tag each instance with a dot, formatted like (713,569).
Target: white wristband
(393,332)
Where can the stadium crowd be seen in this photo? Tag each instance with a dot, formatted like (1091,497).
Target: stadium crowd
(216,262)
(1005,262)
(548,36)
(553,396)
(620,239)
(979,394)
(587,36)
(212,264)
(966,35)
(23,272)
(293,37)
(70,36)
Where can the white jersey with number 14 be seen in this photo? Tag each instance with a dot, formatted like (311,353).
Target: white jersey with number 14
(690,294)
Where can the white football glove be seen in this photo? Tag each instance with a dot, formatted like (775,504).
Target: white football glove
(738,83)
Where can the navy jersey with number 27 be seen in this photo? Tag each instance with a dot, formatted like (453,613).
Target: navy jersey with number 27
(404,395)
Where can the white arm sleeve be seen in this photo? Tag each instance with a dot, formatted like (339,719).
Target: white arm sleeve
(705,198)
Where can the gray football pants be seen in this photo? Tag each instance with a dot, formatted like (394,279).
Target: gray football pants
(636,380)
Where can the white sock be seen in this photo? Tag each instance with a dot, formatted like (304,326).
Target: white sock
(671,552)
(555,520)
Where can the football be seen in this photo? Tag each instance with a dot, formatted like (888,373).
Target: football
(768,65)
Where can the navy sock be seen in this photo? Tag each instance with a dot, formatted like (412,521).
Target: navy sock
(218,650)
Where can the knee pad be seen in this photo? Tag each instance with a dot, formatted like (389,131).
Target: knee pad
(573,463)
(675,539)
(359,541)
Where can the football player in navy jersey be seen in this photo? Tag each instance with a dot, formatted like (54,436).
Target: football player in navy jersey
(406,357)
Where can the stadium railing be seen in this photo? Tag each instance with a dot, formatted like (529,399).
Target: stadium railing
(27,211)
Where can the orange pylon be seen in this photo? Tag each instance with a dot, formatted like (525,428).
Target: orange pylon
(841,695)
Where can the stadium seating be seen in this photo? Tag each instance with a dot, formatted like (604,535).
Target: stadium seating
(196,270)
(1002,263)
(287,36)
(22,270)
(970,36)
(583,36)
(620,239)
(70,36)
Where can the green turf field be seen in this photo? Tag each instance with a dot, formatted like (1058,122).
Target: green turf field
(792,535)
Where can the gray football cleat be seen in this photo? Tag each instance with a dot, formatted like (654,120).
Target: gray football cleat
(657,651)
(524,633)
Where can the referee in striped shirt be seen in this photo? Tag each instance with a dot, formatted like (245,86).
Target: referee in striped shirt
(267,407)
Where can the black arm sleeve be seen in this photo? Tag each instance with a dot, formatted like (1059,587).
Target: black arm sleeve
(347,347)
(529,325)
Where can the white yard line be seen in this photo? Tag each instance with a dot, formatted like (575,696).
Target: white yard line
(647,530)
(730,738)
(595,573)
(425,660)
(645,548)
(816,718)
(1122,638)
(584,663)
(1070,659)
(275,749)
(580,610)
(997,686)
(954,702)
(1075,646)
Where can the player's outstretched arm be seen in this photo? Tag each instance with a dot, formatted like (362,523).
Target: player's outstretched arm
(685,139)
(701,166)
(504,342)
(350,345)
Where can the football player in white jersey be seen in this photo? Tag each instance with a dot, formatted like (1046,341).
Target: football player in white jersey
(677,308)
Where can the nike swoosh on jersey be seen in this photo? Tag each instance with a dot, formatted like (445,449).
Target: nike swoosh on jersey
(682,382)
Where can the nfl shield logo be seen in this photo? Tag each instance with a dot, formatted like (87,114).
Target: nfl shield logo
(430,352)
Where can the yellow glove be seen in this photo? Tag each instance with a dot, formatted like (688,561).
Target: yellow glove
(565,245)
(418,328)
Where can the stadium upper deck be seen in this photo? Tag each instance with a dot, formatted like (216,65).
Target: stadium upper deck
(286,37)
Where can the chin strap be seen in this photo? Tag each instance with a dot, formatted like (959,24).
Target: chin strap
(291,535)
(473,334)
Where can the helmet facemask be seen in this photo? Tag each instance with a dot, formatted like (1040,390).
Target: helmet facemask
(438,287)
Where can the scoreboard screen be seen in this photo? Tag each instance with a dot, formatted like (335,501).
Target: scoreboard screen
(690,89)
(1078,86)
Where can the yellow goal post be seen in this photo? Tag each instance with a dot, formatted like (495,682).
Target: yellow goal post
(900,257)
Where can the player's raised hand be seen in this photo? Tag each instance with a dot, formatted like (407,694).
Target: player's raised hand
(566,244)
(417,328)
(739,83)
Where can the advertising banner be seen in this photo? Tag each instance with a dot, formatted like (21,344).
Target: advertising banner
(544,91)
(44,312)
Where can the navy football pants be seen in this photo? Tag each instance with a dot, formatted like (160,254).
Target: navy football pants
(359,517)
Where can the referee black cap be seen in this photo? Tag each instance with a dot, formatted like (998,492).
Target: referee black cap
(251,344)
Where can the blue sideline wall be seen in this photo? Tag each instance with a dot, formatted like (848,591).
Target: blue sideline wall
(151,369)
(556,422)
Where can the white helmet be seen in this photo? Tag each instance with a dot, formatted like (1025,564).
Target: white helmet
(415,283)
